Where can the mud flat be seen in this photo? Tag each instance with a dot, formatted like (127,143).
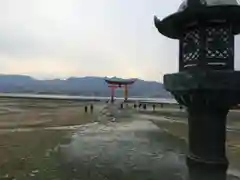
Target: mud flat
(109,144)
(174,121)
(30,131)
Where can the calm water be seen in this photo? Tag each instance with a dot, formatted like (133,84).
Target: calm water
(68,97)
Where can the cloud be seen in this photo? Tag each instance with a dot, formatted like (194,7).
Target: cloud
(81,37)
(58,38)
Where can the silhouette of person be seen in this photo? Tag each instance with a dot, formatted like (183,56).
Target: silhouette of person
(144,106)
(121,106)
(91,108)
(154,106)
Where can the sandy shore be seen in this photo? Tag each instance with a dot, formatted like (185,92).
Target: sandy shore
(42,139)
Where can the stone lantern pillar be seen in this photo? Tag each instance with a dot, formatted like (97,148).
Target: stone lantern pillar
(206,82)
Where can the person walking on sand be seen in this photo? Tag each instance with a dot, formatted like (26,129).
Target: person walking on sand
(154,107)
(85,109)
(91,108)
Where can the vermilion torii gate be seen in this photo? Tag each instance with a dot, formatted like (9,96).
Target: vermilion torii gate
(115,83)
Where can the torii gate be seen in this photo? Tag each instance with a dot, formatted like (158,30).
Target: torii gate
(115,83)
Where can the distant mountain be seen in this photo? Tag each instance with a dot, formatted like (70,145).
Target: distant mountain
(77,86)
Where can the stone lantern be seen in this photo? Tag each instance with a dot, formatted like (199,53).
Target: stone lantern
(206,82)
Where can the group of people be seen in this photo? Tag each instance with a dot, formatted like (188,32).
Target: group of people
(144,106)
(91,108)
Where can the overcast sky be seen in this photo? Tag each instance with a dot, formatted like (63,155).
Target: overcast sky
(62,38)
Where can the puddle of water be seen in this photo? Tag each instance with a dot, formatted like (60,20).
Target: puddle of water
(124,150)
(74,127)
(134,150)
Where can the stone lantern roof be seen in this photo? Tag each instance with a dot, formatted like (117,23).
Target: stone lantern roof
(192,10)
(184,4)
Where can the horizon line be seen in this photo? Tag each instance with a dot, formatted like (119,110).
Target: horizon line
(68,77)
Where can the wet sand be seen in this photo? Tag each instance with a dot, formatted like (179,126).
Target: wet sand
(130,149)
(175,123)
(30,129)
(110,144)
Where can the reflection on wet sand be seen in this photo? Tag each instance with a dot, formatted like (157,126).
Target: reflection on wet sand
(124,150)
